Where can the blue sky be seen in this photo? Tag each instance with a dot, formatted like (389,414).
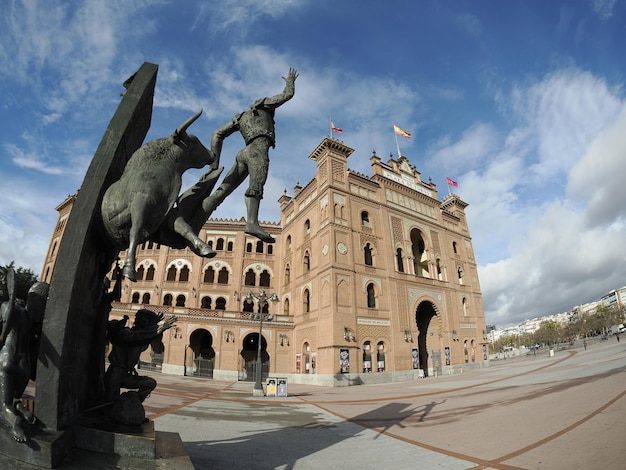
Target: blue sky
(521,102)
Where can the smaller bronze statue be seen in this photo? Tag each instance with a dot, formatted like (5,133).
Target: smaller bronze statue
(20,332)
(127,346)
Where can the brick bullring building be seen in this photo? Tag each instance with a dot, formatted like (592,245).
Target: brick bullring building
(375,276)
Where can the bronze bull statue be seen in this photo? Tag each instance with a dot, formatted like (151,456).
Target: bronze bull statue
(140,204)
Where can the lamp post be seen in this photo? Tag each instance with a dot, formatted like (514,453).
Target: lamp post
(262,299)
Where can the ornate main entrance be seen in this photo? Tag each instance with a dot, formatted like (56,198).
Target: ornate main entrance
(426,339)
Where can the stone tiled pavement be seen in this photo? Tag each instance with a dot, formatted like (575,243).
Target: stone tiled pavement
(533,412)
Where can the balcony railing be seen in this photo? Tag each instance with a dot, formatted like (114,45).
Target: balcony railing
(123,307)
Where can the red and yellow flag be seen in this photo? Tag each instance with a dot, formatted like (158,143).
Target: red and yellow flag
(399,131)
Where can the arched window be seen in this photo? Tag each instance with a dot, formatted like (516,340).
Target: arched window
(249,247)
(264,279)
(289,242)
(270,249)
(180,301)
(220,303)
(464,307)
(145,299)
(420,255)
(454,248)
(184,274)
(286,307)
(465,351)
(307,227)
(307,262)
(287,274)
(306,301)
(209,275)
(365,219)
(229,246)
(171,273)
(150,245)
(371,296)
(259,246)
(248,306)
(367,356)
(250,279)
(135,298)
(220,244)
(367,252)
(439,271)
(206,302)
(460,273)
(380,356)
(140,272)
(150,273)
(222,277)
(399,260)
(167,299)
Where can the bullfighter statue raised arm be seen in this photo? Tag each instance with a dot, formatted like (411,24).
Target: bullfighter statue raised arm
(256,126)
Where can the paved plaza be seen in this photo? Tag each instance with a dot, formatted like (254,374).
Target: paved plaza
(531,412)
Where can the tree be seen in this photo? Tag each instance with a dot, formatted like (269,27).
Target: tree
(24,279)
(548,332)
(607,317)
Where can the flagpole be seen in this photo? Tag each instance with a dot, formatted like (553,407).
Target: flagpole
(397,144)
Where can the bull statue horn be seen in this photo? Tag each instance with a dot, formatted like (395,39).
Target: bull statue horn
(183,127)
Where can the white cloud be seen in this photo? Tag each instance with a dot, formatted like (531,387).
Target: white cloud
(557,251)
(598,177)
(27,217)
(562,113)
(237,16)
(604,8)
(558,265)
(474,147)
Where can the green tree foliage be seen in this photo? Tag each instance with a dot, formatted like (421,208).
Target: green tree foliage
(24,279)
(549,332)
(608,317)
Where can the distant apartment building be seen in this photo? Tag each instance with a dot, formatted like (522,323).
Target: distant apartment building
(375,277)
(615,298)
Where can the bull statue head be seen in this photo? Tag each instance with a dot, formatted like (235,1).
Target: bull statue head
(182,129)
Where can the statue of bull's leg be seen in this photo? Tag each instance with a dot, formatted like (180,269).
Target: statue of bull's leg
(192,240)
(130,261)
(136,235)
(184,222)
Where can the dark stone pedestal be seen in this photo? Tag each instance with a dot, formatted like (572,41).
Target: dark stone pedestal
(43,448)
(97,448)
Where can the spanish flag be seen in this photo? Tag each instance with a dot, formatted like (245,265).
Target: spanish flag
(399,131)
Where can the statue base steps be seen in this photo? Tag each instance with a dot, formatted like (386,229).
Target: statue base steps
(84,446)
